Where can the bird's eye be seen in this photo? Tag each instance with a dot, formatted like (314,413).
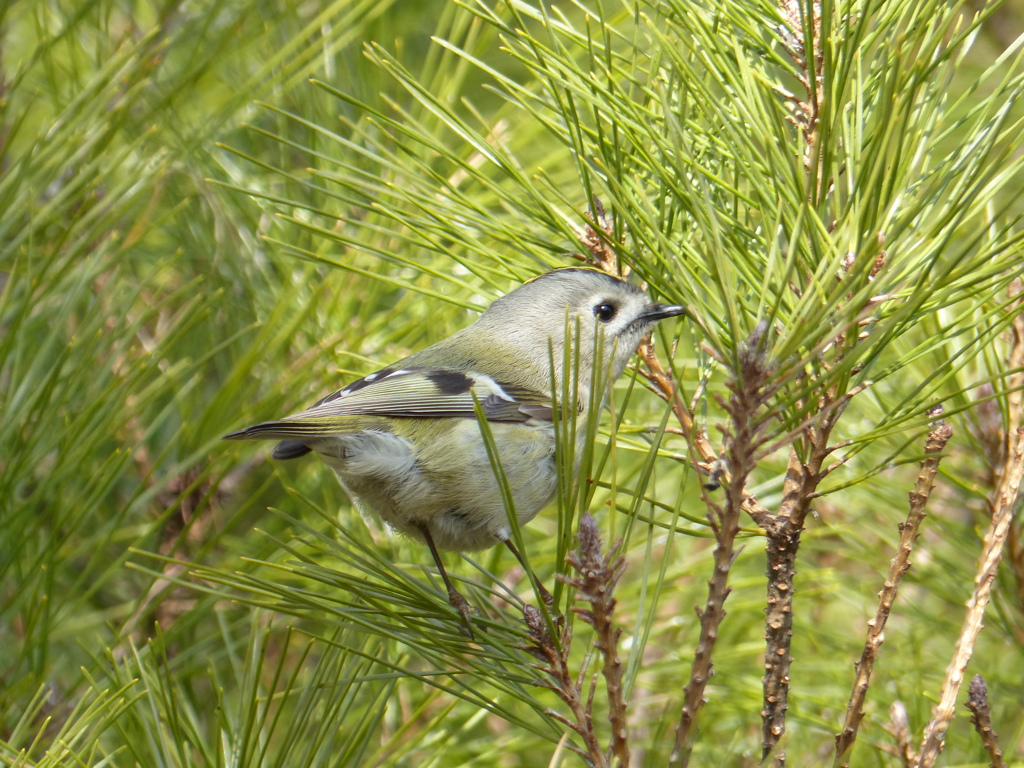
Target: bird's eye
(605,312)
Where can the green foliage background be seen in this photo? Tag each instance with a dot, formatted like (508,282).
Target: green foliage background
(212,213)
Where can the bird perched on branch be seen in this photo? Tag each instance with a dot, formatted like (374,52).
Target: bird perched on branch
(406,443)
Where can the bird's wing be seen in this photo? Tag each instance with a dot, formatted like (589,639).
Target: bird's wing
(407,393)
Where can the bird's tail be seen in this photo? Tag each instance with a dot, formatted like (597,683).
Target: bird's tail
(268,430)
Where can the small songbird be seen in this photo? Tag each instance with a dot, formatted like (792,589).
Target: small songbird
(405,441)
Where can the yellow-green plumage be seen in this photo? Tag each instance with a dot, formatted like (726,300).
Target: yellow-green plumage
(405,440)
(458,502)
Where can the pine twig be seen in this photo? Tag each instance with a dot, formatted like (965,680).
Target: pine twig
(748,395)
(805,112)
(783,531)
(1002,505)
(1015,556)
(995,539)
(554,662)
(604,257)
(802,40)
(595,583)
(599,244)
(783,534)
(1016,414)
(935,444)
(665,387)
(981,719)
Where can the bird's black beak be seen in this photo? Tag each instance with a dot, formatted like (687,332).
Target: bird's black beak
(655,312)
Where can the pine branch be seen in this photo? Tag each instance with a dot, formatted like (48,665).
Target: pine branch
(749,391)
(1002,504)
(900,564)
(554,663)
(981,719)
(594,582)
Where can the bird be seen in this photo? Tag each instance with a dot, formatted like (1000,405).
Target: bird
(405,440)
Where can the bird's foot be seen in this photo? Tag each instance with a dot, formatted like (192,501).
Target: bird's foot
(466,611)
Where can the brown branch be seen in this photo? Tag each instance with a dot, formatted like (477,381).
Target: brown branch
(595,583)
(992,548)
(601,255)
(783,542)
(597,237)
(783,531)
(1015,556)
(1016,412)
(981,718)
(837,404)
(935,444)
(744,404)
(665,387)
(805,113)
(554,663)
(1008,491)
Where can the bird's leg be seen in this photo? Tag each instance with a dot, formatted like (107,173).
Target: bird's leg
(455,599)
(546,596)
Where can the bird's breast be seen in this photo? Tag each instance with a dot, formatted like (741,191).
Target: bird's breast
(437,474)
